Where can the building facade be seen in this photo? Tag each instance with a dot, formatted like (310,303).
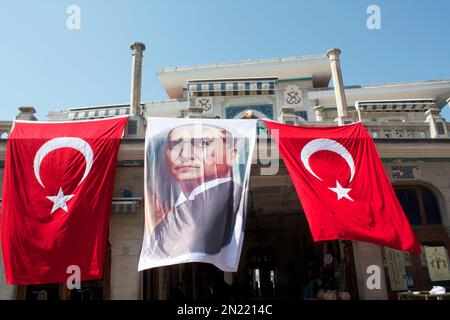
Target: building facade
(278,256)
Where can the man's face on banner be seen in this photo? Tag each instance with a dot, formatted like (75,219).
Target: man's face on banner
(200,152)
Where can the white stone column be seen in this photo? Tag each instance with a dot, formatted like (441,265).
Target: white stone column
(194,112)
(287,115)
(339,92)
(341,103)
(435,120)
(136,77)
(358,110)
(318,110)
(136,122)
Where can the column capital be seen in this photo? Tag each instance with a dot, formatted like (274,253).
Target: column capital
(333,53)
(138,48)
(26,113)
(287,110)
(318,108)
(433,112)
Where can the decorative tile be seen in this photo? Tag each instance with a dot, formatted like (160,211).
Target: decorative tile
(404,172)
(302,114)
(205,103)
(292,95)
(132,126)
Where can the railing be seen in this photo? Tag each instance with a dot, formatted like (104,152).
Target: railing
(398,130)
(378,129)
(381,129)
(126,204)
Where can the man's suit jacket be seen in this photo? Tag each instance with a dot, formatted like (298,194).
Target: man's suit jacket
(204,224)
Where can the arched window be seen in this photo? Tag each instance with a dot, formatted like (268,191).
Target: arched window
(420,205)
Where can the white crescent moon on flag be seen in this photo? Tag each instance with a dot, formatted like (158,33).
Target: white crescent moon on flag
(326,145)
(65,142)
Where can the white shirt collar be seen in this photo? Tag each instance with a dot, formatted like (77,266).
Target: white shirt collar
(199,189)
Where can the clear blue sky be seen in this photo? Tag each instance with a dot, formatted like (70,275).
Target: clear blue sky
(45,65)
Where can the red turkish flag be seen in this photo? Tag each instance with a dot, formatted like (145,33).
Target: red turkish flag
(56,198)
(342,185)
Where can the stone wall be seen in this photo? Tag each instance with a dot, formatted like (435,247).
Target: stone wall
(7,292)
(126,232)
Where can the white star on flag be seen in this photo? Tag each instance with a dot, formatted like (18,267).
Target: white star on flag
(341,192)
(59,201)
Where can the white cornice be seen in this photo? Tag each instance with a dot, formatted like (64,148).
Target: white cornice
(436,90)
(241,63)
(313,67)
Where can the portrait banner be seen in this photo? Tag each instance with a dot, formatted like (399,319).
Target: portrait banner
(437,262)
(196,185)
(395,261)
